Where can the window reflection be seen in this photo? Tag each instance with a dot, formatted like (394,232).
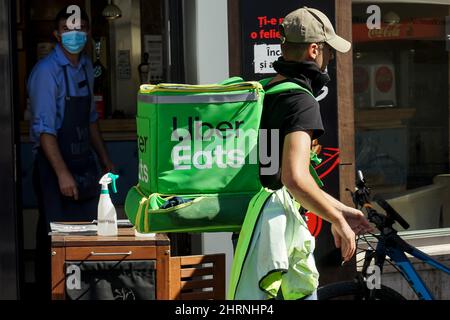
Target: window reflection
(401,84)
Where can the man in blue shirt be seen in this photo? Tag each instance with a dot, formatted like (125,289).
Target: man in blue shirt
(64,130)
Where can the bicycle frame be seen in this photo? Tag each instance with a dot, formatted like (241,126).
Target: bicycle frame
(391,244)
(396,249)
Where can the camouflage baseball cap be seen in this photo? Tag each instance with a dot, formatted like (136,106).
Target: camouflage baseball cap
(307,25)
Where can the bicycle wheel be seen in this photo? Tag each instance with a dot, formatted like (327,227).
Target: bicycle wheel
(356,291)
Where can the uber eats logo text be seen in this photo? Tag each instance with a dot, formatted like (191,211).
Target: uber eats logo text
(204,145)
(201,145)
(225,144)
(143,169)
(196,127)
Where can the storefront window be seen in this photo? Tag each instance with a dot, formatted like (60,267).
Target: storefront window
(127,51)
(401,85)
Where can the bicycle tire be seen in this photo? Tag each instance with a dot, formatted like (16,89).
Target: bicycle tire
(353,290)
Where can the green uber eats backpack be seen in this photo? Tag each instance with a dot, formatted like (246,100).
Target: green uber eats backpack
(198,148)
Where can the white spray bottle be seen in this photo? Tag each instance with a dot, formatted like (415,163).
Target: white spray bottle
(106,213)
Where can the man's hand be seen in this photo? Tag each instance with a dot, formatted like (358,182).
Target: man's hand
(356,220)
(344,238)
(354,217)
(67,185)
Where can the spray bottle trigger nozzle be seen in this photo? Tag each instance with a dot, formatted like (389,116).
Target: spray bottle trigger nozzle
(113,178)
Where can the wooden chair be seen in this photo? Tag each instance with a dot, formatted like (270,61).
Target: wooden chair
(197,277)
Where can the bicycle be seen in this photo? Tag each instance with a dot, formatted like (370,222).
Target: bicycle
(390,245)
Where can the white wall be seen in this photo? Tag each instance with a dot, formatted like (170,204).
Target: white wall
(126,36)
(206,61)
(206,41)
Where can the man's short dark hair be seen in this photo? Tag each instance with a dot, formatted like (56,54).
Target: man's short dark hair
(294,50)
(63,15)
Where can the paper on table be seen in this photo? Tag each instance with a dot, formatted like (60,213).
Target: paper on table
(121,223)
(76,228)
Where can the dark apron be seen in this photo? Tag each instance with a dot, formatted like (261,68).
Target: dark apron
(75,147)
(74,144)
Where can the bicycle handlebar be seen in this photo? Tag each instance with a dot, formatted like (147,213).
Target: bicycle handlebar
(391,211)
(361,199)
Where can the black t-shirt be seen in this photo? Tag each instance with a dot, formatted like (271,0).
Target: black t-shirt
(288,112)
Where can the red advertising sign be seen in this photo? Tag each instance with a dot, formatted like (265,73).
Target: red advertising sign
(384,78)
(417,29)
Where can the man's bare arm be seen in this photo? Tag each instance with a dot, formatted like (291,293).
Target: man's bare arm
(296,177)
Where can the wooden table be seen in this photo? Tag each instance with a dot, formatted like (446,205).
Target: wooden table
(125,246)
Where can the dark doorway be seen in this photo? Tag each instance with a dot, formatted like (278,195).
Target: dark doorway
(9,231)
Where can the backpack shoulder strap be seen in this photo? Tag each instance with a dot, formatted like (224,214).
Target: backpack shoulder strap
(284,86)
(264,82)
(232,80)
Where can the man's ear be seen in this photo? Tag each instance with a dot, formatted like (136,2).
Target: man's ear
(313,50)
(57,36)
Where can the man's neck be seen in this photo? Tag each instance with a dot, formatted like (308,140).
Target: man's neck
(280,77)
(277,78)
(73,58)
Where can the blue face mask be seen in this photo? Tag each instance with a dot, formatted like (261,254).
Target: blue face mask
(74,41)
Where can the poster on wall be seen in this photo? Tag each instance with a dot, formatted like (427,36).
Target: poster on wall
(154,49)
(260,48)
